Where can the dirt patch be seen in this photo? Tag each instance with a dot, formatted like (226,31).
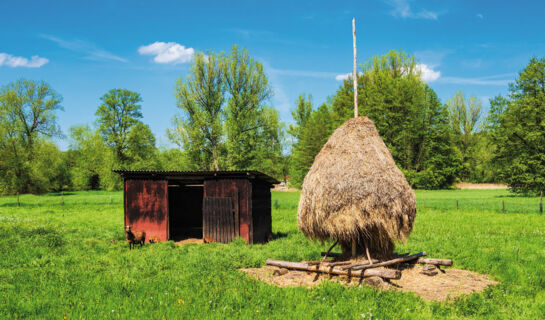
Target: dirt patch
(465,185)
(189,241)
(440,287)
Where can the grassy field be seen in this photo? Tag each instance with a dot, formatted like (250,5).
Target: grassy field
(59,261)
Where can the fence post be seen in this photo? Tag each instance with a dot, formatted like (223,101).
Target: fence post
(62,198)
(18,200)
(541,203)
(482,205)
(456,204)
(503,206)
(276,204)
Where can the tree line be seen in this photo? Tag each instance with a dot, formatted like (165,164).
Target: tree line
(225,123)
(435,144)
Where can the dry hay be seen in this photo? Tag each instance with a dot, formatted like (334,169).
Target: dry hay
(355,191)
(190,241)
(441,287)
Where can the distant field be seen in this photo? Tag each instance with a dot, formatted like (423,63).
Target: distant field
(59,261)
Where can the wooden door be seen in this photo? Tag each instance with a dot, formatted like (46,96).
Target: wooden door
(219,219)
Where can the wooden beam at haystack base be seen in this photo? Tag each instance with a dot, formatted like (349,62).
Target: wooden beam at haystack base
(365,266)
(385,274)
(355,73)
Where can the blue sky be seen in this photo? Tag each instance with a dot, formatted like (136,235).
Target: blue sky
(84,49)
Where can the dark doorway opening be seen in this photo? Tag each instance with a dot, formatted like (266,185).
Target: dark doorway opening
(185,211)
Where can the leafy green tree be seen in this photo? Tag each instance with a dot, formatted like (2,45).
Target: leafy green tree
(312,138)
(300,115)
(247,120)
(465,117)
(224,122)
(27,121)
(90,159)
(119,112)
(517,128)
(199,129)
(173,159)
(407,114)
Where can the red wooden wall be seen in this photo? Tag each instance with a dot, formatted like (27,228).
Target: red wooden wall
(146,207)
(226,188)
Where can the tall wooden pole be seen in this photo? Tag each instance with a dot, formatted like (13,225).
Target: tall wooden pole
(355,80)
(355,74)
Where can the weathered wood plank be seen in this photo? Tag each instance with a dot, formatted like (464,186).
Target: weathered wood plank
(236,214)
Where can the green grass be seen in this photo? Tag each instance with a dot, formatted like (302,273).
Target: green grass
(59,261)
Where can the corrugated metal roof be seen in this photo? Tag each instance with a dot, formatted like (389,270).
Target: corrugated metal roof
(197,175)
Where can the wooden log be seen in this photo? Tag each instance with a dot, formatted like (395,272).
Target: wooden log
(361,266)
(436,262)
(386,274)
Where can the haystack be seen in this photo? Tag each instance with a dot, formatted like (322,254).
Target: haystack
(355,192)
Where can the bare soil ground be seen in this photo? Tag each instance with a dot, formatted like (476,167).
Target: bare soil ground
(466,185)
(443,286)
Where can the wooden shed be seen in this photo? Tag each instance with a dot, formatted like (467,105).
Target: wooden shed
(177,205)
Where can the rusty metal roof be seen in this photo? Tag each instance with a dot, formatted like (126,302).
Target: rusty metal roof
(196,175)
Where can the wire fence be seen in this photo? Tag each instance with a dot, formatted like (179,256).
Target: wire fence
(506,205)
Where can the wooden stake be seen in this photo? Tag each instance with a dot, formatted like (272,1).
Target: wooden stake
(18,200)
(355,73)
(367,252)
(386,274)
(62,197)
(328,251)
(456,204)
(353,248)
(503,206)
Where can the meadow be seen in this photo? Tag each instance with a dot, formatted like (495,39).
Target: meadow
(70,261)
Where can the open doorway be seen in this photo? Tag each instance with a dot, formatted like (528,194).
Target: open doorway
(185,211)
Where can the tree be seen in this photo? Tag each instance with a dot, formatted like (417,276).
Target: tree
(200,97)
(246,118)
(300,115)
(27,120)
(465,117)
(91,159)
(407,114)
(312,137)
(517,128)
(224,122)
(117,115)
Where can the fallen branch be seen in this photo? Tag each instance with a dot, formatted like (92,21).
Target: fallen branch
(386,274)
(361,266)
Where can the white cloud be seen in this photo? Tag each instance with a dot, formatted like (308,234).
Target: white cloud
(167,52)
(14,62)
(427,73)
(342,77)
(90,49)
(402,9)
